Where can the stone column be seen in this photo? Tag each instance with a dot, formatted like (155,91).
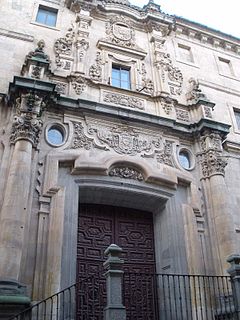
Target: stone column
(114,309)
(14,214)
(234,272)
(218,206)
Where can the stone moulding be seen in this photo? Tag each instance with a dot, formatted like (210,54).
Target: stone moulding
(123,100)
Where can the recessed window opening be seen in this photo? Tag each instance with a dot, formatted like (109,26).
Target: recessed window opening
(184,159)
(47,16)
(237,117)
(121,77)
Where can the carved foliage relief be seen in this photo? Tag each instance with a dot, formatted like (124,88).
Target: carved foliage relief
(211,157)
(26,124)
(123,140)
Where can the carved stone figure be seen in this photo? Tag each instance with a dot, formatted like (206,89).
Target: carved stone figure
(194,93)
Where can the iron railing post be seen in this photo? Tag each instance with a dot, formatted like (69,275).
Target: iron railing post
(114,274)
(234,272)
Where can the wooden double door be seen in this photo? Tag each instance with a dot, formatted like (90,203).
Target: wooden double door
(132,230)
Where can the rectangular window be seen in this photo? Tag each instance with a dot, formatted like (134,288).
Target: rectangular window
(121,77)
(225,67)
(237,117)
(185,53)
(47,16)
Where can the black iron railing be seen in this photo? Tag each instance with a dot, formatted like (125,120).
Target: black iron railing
(64,305)
(146,297)
(177,297)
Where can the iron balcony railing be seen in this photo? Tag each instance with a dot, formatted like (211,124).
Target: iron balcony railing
(146,297)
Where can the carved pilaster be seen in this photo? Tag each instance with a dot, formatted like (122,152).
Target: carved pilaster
(26,124)
(211,156)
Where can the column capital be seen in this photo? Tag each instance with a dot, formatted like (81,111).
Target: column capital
(212,159)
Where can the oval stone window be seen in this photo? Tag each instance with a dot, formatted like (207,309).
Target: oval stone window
(185,159)
(55,135)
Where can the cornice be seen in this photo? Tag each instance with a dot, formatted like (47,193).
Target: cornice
(16,35)
(206,35)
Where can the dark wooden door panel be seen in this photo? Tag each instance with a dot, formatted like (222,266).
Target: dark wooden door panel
(99,226)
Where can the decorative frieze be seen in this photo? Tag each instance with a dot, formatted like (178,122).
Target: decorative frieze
(124,140)
(126,173)
(123,100)
(211,156)
(26,124)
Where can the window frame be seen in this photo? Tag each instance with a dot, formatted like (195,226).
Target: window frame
(47,11)
(52,7)
(121,69)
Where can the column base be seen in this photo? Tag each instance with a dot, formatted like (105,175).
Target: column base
(116,313)
(13,298)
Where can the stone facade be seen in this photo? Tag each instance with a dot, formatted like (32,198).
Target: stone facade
(171,140)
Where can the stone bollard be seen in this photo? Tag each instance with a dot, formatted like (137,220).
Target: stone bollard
(114,274)
(234,272)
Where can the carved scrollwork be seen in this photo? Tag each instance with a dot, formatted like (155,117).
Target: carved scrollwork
(126,173)
(167,104)
(147,84)
(123,140)
(182,115)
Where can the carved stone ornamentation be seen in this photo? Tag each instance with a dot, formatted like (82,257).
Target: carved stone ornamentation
(147,84)
(79,84)
(182,115)
(170,74)
(126,173)
(211,158)
(80,139)
(166,155)
(63,48)
(167,104)
(36,62)
(26,124)
(207,112)
(95,71)
(123,100)
(120,31)
(61,88)
(82,46)
(123,140)
(194,93)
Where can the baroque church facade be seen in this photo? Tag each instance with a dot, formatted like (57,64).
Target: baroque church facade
(118,124)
